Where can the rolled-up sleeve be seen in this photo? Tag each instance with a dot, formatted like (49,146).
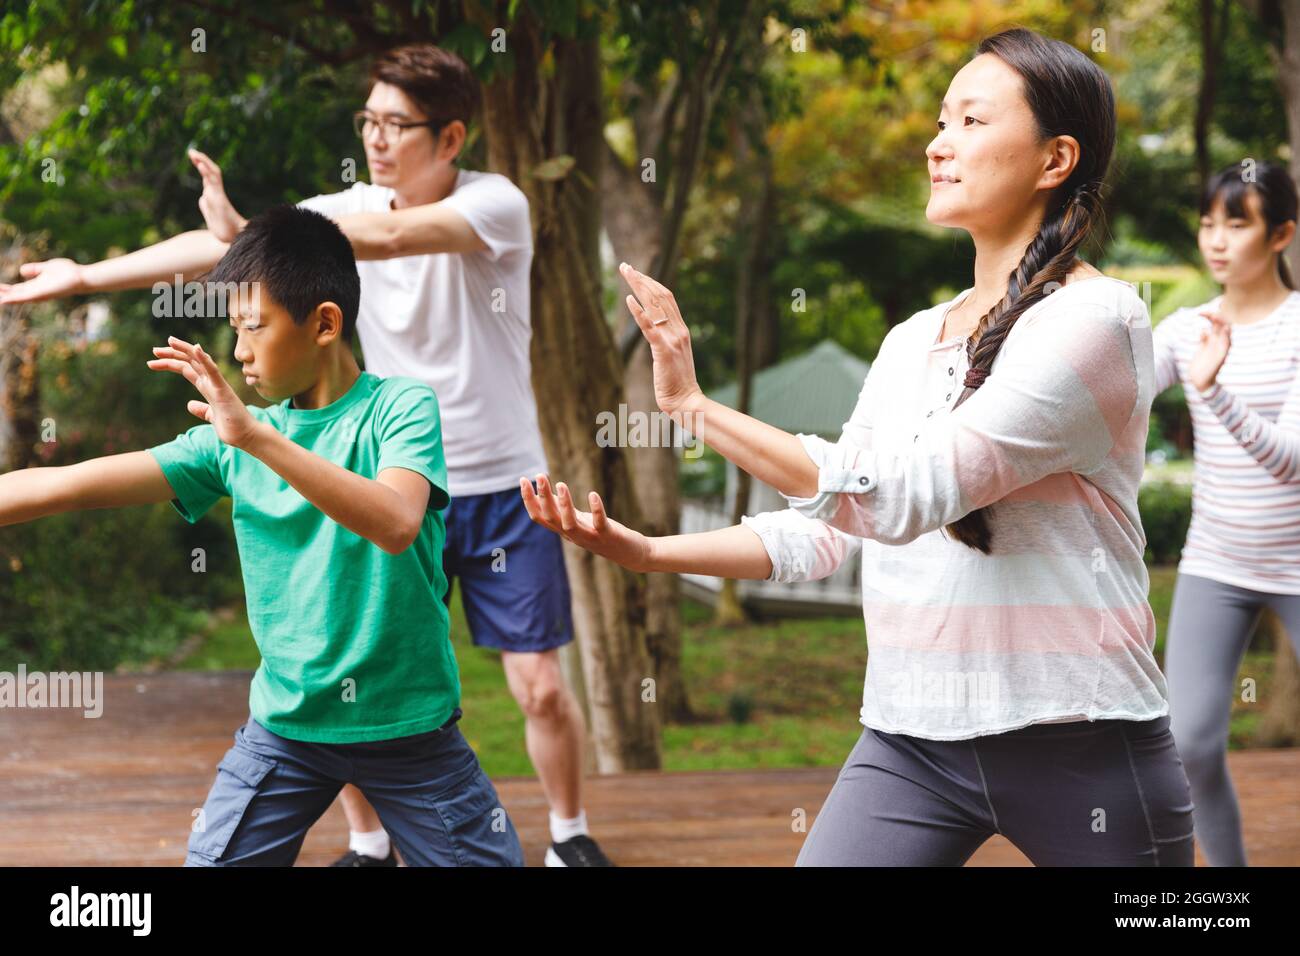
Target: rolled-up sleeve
(800,548)
(1062,393)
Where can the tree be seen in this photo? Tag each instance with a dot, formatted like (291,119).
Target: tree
(671,82)
(287,74)
(19,382)
(546,107)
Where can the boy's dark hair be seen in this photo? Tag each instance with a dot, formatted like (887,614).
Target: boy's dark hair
(439,82)
(300,258)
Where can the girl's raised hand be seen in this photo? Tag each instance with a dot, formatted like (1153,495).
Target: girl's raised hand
(1209,358)
(593,529)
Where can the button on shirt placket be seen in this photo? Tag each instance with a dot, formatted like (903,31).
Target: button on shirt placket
(948,381)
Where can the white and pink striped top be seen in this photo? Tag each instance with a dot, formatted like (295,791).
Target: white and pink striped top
(1245,526)
(1054,625)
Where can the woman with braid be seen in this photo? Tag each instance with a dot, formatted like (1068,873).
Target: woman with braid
(1237,357)
(989,473)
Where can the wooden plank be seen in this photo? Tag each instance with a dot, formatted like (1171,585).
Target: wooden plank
(120,790)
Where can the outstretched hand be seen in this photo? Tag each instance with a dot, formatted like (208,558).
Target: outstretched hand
(219,214)
(51,279)
(232,420)
(1209,358)
(592,530)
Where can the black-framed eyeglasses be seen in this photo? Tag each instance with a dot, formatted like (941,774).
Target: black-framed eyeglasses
(365,124)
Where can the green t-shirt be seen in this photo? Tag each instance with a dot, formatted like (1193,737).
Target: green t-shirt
(354,640)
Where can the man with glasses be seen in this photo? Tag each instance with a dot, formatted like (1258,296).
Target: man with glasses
(444,256)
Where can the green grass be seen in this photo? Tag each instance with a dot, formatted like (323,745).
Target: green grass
(780,693)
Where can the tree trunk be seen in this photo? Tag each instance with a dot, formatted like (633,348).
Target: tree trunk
(1288,63)
(654,471)
(19,382)
(531,116)
(661,209)
(1212,39)
(753,298)
(635,227)
(1281,723)
(1286,58)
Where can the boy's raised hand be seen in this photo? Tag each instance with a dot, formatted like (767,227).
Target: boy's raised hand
(223,410)
(592,530)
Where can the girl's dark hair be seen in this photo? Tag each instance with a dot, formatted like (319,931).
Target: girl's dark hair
(1277,198)
(1069,95)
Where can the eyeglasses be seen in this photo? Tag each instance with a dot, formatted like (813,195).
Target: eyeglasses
(365,124)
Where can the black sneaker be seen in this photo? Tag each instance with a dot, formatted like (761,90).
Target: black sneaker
(353,858)
(579,851)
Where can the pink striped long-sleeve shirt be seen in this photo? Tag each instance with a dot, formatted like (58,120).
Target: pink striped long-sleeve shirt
(1245,526)
(1054,625)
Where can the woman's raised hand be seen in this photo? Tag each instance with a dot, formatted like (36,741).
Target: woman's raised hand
(664,328)
(592,530)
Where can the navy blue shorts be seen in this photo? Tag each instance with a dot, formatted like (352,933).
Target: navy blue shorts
(513,585)
(429,791)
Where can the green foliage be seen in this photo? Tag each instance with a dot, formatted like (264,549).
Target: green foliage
(93,590)
(1166,509)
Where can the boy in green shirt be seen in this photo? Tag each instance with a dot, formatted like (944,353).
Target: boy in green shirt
(337,493)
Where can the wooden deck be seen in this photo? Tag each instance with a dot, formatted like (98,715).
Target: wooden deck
(120,790)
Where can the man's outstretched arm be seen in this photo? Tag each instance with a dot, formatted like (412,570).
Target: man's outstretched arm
(189,254)
(418,230)
(415,231)
(114,481)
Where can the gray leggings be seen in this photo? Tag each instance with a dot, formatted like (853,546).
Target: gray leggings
(1209,625)
(1086,793)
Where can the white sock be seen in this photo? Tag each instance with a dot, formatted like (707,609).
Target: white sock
(373,844)
(562,829)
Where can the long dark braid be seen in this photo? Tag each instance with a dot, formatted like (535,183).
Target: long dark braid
(1069,95)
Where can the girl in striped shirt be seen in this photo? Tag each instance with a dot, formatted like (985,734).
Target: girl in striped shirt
(1237,358)
(989,473)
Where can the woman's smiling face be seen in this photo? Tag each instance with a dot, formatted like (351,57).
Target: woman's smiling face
(986,159)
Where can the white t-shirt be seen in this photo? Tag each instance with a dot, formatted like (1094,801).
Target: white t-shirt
(461,324)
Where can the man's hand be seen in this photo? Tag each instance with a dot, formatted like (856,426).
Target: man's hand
(52,279)
(1215,342)
(220,215)
(235,425)
(592,530)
